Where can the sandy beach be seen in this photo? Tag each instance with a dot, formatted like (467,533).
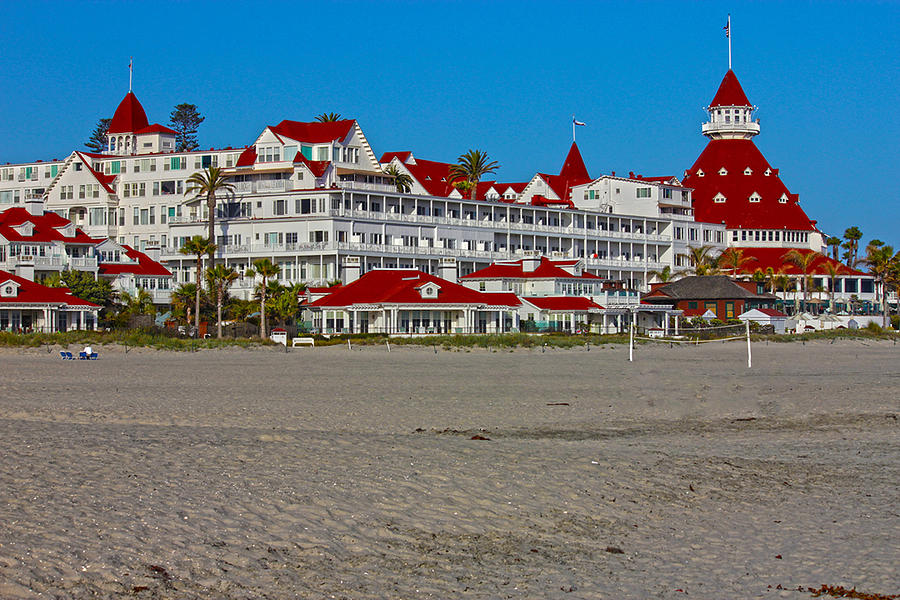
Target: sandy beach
(336,473)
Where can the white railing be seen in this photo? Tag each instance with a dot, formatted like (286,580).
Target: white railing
(371,187)
(84,262)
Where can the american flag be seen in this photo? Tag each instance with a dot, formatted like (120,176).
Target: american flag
(727,29)
(577,122)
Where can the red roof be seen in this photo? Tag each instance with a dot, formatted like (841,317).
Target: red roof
(35,293)
(389,156)
(503,299)
(247,157)
(735,156)
(46,227)
(104,180)
(547,269)
(144,265)
(318,167)
(566,303)
(156,128)
(573,167)
(771,312)
(129,116)
(315,132)
(774,258)
(402,286)
(730,92)
(433,176)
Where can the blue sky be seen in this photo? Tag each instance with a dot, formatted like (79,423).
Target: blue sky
(439,78)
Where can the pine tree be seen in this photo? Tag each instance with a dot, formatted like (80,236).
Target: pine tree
(185,120)
(97,142)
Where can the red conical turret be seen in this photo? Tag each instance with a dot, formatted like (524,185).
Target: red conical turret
(730,92)
(129,116)
(574,167)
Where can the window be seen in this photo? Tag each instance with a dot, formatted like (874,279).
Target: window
(692,305)
(755,197)
(729,310)
(167,188)
(145,216)
(723,171)
(153,215)
(719,198)
(290,152)
(667,193)
(265,154)
(318,236)
(783,199)
(136,220)
(280,207)
(643,192)
(304,206)
(322,153)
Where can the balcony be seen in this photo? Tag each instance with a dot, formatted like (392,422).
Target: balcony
(731,129)
(84,263)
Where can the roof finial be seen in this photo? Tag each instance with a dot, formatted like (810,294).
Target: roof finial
(727,29)
(130,72)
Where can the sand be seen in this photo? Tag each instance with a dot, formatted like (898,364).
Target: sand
(331,473)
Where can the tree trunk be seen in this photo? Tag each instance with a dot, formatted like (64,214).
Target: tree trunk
(884,307)
(262,313)
(211,208)
(219,313)
(197,306)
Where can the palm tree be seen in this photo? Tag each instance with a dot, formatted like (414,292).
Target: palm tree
(881,261)
(471,167)
(770,279)
(328,117)
(207,183)
(834,242)
(198,246)
(139,303)
(221,278)
(733,260)
(183,298)
(852,235)
(833,269)
(702,261)
(803,261)
(266,269)
(402,180)
(665,275)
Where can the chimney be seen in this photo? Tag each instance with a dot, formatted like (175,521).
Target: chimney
(448,270)
(34,206)
(531,261)
(351,268)
(153,251)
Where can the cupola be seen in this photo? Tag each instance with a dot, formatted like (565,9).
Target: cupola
(730,113)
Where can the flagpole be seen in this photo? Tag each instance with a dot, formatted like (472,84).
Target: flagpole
(130,72)
(573,129)
(729,42)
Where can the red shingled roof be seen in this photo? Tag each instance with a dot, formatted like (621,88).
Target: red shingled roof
(129,116)
(401,286)
(564,303)
(547,269)
(315,132)
(737,211)
(45,227)
(318,167)
(247,157)
(35,293)
(144,265)
(774,258)
(156,128)
(573,167)
(389,156)
(730,92)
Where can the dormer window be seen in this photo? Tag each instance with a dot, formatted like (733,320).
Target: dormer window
(723,171)
(700,173)
(9,289)
(768,172)
(719,198)
(748,171)
(755,197)
(783,199)
(429,290)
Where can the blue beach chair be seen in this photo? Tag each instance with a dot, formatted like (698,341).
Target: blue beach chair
(94,356)
(82,355)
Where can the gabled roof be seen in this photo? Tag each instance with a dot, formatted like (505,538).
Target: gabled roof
(736,155)
(547,269)
(433,176)
(46,227)
(401,156)
(143,265)
(713,287)
(763,258)
(315,132)
(730,92)
(317,167)
(104,180)
(769,312)
(34,293)
(129,116)
(563,303)
(401,286)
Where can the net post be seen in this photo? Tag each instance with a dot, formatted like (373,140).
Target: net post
(749,354)
(631,341)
